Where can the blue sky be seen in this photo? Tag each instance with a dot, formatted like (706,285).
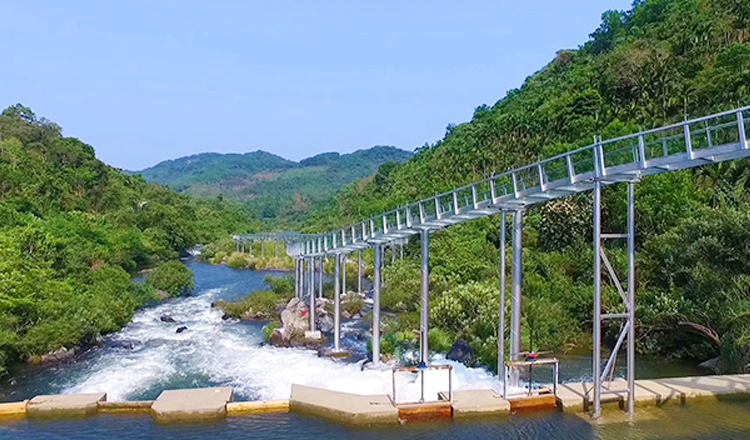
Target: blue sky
(145,81)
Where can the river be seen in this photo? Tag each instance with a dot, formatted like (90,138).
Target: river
(148,356)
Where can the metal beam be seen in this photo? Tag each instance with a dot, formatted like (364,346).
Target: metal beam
(359,271)
(311,291)
(376,307)
(501,327)
(424,312)
(631,297)
(337,303)
(597,361)
(515,308)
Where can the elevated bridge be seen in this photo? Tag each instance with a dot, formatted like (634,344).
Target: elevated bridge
(707,140)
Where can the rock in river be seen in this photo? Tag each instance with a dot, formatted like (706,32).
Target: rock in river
(461,352)
(166,318)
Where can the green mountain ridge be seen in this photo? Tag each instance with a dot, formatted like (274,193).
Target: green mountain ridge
(273,187)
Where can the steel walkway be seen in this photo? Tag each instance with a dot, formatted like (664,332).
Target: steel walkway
(710,139)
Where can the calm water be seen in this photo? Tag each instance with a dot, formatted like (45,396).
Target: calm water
(148,356)
(700,422)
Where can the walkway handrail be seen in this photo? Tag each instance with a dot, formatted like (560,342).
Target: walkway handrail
(673,147)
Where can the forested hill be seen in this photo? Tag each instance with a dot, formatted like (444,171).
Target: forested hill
(73,230)
(271,185)
(661,62)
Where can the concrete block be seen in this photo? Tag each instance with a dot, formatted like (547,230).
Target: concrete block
(192,404)
(64,405)
(235,409)
(132,407)
(351,409)
(477,403)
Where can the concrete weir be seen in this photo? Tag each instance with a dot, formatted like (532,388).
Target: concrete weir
(64,405)
(190,405)
(371,410)
(353,409)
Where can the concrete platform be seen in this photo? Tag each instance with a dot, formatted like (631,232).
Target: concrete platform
(192,404)
(351,409)
(235,409)
(64,405)
(576,397)
(477,403)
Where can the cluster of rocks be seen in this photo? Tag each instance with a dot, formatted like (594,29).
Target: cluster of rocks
(168,319)
(54,357)
(295,321)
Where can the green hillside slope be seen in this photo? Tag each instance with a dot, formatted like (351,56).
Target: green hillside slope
(661,62)
(273,187)
(73,230)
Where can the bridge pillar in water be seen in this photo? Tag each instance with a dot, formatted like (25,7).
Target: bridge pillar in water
(424,312)
(343,274)
(517,283)
(359,271)
(320,277)
(296,277)
(337,303)
(376,306)
(311,291)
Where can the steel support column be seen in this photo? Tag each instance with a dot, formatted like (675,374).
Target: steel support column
(337,303)
(263,249)
(631,297)
(343,274)
(516,286)
(393,252)
(376,307)
(501,326)
(276,249)
(320,277)
(359,271)
(311,291)
(424,312)
(296,278)
(597,321)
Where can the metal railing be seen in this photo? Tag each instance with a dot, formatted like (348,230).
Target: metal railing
(710,139)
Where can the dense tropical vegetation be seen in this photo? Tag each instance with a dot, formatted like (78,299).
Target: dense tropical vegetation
(278,190)
(74,230)
(661,62)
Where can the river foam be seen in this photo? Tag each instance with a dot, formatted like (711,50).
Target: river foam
(214,352)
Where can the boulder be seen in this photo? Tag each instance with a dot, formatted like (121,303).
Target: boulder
(162,295)
(325,323)
(181,329)
(53,357)
(462,352)
(166,318)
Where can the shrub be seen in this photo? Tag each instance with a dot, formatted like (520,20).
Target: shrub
(261,304)
(237,261)
(172,277)
(280,285)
